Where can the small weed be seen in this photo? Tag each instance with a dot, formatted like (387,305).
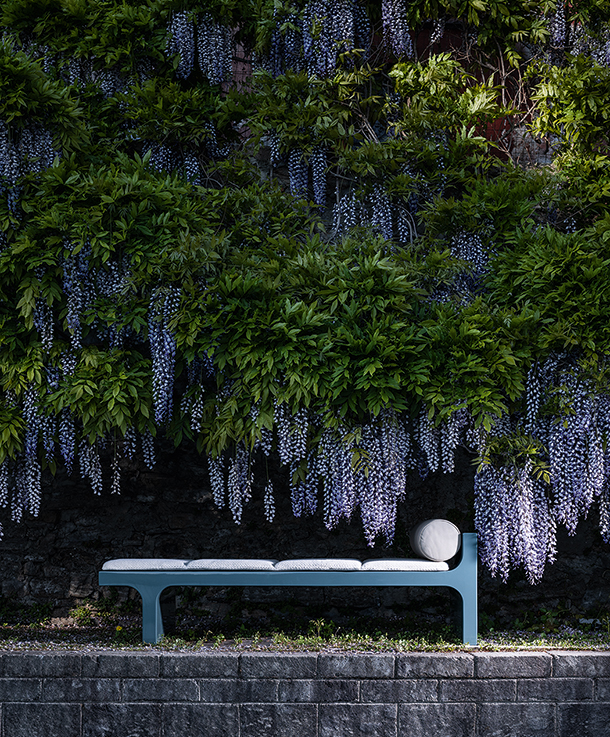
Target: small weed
(321,629)
(83,615)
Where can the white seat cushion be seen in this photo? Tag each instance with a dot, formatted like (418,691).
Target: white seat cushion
(319,564)
(145,564)
(403,564)
(231,564)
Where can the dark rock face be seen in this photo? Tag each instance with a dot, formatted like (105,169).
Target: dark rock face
(169,512)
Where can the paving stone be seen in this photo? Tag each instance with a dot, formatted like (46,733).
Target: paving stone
(511,665)
(583,720)
(278,720)
(120,665)
(205,665)
(41,720)
(398,691)
(555,689)
(20,689)
(581,664)
(435,665)
(272,665)
(160,689)
(28,665)
(233,691)
(478,690)
(319,691)
(356,666)
(120,720)
(357,720)
(524,720)
(82,689)
(436,720)
(200,720)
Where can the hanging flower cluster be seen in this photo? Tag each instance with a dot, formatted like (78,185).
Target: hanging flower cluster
(315,40)
(517,511)
(374,209)
(163,306)
(328,30)
(22,151)
(215,49)
(396,32)
(214,46)
(181,41)
(557,26)
(362,468)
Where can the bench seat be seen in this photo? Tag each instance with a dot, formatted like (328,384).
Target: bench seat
(150,576)
(304,564)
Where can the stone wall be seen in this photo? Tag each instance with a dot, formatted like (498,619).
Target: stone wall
(169,512)
(559,694)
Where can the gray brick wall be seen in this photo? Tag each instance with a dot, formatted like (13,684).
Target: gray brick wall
(111,694)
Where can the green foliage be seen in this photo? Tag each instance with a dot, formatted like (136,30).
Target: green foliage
(276,301)
(27,95)
(563,277)
(573,104)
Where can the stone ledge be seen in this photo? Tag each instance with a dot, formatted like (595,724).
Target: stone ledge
(252,694)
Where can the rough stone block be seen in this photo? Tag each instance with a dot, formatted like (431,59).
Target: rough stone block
(583,720)
(285,720)
(478,690)
(581,665)
(436,720)
(120,665)
(233,691)
(319,691)
(20,689)
(603,689)
(112,720)
(272,665)
(200,720)
(81,689)
(160,689)
(512,665)
(41,720)
(204,665)
(525,720)
(399,691)
(435,665)
(555,689)
(356,666)
(30,665)
(357,720)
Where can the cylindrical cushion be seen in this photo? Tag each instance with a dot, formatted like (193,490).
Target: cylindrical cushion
(435,539)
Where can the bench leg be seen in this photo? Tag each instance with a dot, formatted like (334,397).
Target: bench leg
(469,619)
(152,620)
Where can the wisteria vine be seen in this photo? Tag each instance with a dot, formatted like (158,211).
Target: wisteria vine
(336,469)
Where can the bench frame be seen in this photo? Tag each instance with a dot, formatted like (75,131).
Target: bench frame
(150,585)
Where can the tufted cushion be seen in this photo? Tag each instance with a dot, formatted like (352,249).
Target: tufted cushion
(319,564)
(435,539)
(145,564)
(230,564)
(403,564)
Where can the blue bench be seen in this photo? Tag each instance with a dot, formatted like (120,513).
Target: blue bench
(151,583)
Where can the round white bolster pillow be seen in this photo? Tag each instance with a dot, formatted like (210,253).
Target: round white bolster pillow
(435,539)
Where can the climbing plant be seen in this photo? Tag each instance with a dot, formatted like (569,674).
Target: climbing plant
(356,235)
